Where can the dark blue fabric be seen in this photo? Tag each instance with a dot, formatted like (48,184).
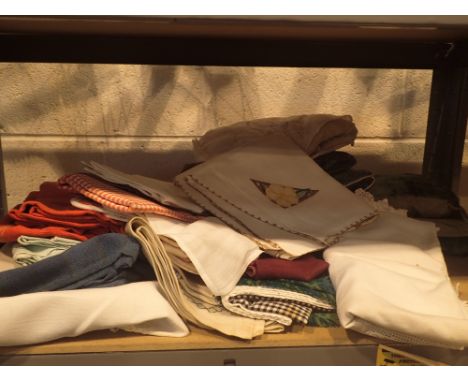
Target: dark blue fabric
(100,261)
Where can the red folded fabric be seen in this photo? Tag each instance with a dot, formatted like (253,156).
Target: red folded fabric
(11,232)
(48,212)
(305,268)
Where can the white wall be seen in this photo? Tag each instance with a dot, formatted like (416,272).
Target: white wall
(142,118)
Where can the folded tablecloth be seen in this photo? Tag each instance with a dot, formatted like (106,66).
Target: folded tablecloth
(392,282)
(275,192)
(44,316)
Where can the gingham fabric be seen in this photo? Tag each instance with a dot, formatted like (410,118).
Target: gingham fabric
(298,312)
(118,199)
(283,301)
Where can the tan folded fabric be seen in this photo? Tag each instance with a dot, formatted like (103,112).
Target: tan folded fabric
(278,193)
(316,134)
(7,263)
(180,293)
(179,258)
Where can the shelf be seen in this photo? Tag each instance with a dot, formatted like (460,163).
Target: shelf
(241,41)
(198,339)
(201,339)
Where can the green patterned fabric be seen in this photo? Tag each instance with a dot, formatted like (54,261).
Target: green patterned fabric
(319,288)
(324,320)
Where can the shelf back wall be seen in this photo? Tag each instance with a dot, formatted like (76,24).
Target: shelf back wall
(142,119)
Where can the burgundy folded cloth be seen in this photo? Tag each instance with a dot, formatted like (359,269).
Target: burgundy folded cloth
(117,199)
(48,212)
(304,268)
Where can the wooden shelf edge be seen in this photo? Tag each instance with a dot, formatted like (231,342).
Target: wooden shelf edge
(201,339)
(198,339)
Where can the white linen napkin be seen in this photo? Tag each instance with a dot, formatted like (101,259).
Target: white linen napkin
(39,317)
(392,282)
(278,193)
(220,254)
(180,293)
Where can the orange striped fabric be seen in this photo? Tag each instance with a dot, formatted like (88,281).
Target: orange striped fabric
(117,199)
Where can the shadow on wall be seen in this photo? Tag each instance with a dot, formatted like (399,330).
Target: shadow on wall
(158,164)
(379,165)
(76,84)
(233,94)
(158,94)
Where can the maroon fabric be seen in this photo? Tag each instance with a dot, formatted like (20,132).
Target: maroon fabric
(48,212)
(305,268)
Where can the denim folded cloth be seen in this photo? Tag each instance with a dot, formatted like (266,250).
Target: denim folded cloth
(96,262)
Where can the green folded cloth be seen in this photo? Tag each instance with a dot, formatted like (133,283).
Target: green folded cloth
(285,301)
(30,249)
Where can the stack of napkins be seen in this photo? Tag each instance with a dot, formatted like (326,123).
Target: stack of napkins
(277,195)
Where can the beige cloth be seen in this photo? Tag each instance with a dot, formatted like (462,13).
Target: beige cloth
(7,263)
(391,282)
(315,134)
(191,306)
(278,194)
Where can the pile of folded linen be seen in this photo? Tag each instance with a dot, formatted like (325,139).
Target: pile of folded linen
(271,229)
(67,250)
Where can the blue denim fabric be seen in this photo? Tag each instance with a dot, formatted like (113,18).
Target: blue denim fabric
(100,261)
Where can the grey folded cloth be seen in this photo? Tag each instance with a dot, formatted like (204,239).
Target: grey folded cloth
(354,179)
(97,262)
(417,195)
(336,162)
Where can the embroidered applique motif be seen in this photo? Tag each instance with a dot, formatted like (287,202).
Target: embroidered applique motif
(283,196)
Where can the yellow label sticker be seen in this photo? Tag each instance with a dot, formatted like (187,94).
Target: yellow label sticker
(388,356)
